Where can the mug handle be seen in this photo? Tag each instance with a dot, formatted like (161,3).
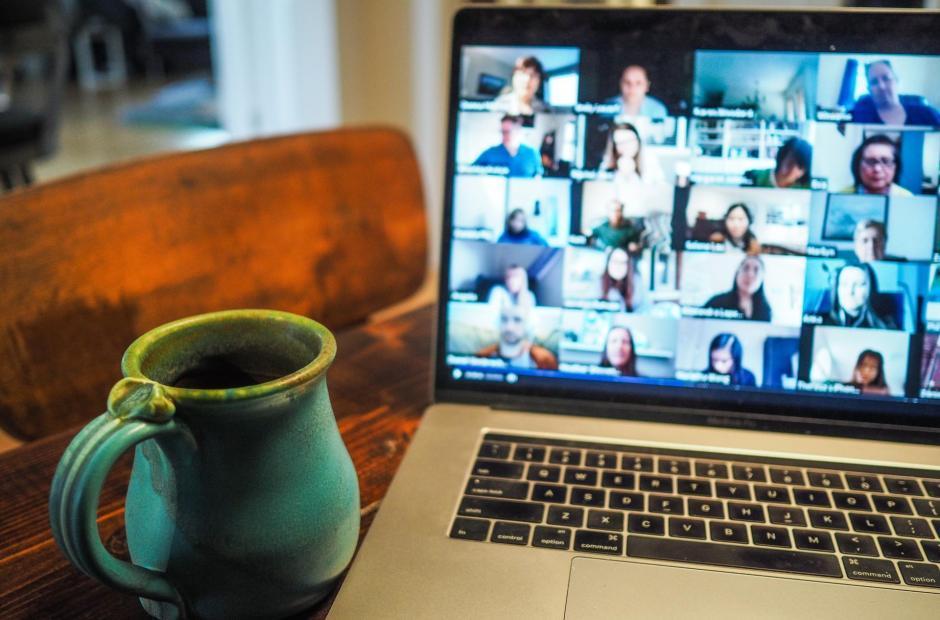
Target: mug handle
(138,410)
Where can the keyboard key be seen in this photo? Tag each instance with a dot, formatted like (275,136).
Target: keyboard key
(588,541)
(565,456)
(554,493)
(636,463)
(899,548)
(584,477)
(825,479)
(733,490)
(710,508)
(723,531)
(510,533)
(626,501)
(787,476)
(551,537)
(811,497)
(749,473)
(923,575)
(605,520)
(618,480)
(770,536)
(679,467)
(828,520)
(784,560)
(494,450)
(498,469)
(781,515)
(813,540)
(645,524)
(711,470)
(694,486)
(497,487)
(932,487)
(565,515)
(777,495)
(863,483)
(891,504)
(903,486)
(911,526)
(588,497)
(745,512)
(869,523)
(927,507)
(501,509)
(851,501)
(532,454)
(469,529)
(544,473)
(686,528)
(601,459)
(866,569)
(856,544)
(656,484)
(666,504)
(931,550)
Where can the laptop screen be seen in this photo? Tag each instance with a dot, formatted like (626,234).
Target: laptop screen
(695,208)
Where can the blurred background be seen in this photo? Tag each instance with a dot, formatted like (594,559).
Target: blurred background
(88,83)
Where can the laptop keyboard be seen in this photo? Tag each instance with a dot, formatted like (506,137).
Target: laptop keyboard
(850,522)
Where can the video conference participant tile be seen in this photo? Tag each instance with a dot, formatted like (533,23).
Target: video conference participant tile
(737,354)
(930,367)
(613,279)
(502,274)
(847,361)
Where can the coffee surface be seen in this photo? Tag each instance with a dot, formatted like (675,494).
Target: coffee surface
(219,373)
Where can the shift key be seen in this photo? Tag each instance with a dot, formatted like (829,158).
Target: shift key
(501,509)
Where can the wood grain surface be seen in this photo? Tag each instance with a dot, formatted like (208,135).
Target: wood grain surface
(379,384)
(329,225)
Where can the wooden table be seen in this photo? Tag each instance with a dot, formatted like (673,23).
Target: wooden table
(379,384)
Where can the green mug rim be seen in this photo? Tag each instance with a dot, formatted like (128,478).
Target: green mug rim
(133,356)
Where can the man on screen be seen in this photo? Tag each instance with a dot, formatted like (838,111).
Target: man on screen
(884,105)
(515,346)
(634,98)
(522,160)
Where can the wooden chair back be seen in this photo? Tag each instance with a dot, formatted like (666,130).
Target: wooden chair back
(329,225)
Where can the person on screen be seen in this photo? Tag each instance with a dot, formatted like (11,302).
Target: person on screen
(625,157)
(517,231)
(617,279)
(736,231)
(747,293)
(869,241)
(884,105)
(617,232)
(634,98)
(522,96)
(514,290)
(854,288)
(724,358)
(515,346)
(794,159)
(876,165)
(619,352)
(869,373)
(521,159)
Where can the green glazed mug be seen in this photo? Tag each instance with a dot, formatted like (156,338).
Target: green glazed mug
(243,500)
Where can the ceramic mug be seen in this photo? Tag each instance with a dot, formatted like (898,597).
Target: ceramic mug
(243,500)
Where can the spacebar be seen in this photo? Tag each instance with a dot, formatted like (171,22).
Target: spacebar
(738,556)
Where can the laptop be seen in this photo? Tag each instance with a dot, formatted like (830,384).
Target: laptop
(687,361)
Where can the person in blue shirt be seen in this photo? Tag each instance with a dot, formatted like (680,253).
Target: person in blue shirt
(634,98)
(517,231)
(522,160)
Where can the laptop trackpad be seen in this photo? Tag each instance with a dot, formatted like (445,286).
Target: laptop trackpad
(611,589)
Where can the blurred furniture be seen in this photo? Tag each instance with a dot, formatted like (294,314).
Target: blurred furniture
(33,64)
(379,386)
(329,225)
(90,77)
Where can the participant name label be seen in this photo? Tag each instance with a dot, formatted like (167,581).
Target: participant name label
(827,388)
(742,113)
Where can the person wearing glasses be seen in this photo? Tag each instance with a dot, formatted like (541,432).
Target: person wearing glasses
(884,105)
(876,165)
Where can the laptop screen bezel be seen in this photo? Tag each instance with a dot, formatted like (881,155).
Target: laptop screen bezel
(861,31)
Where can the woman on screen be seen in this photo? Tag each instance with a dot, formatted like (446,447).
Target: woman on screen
(747,293)
(625,157)
(523,95)
(619,352)
(869,373)
(518,231)
(514,291)
(617,279)
(794,158)
(724,358)
(736,231)
(854,288)
(885,105)
(876,165)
